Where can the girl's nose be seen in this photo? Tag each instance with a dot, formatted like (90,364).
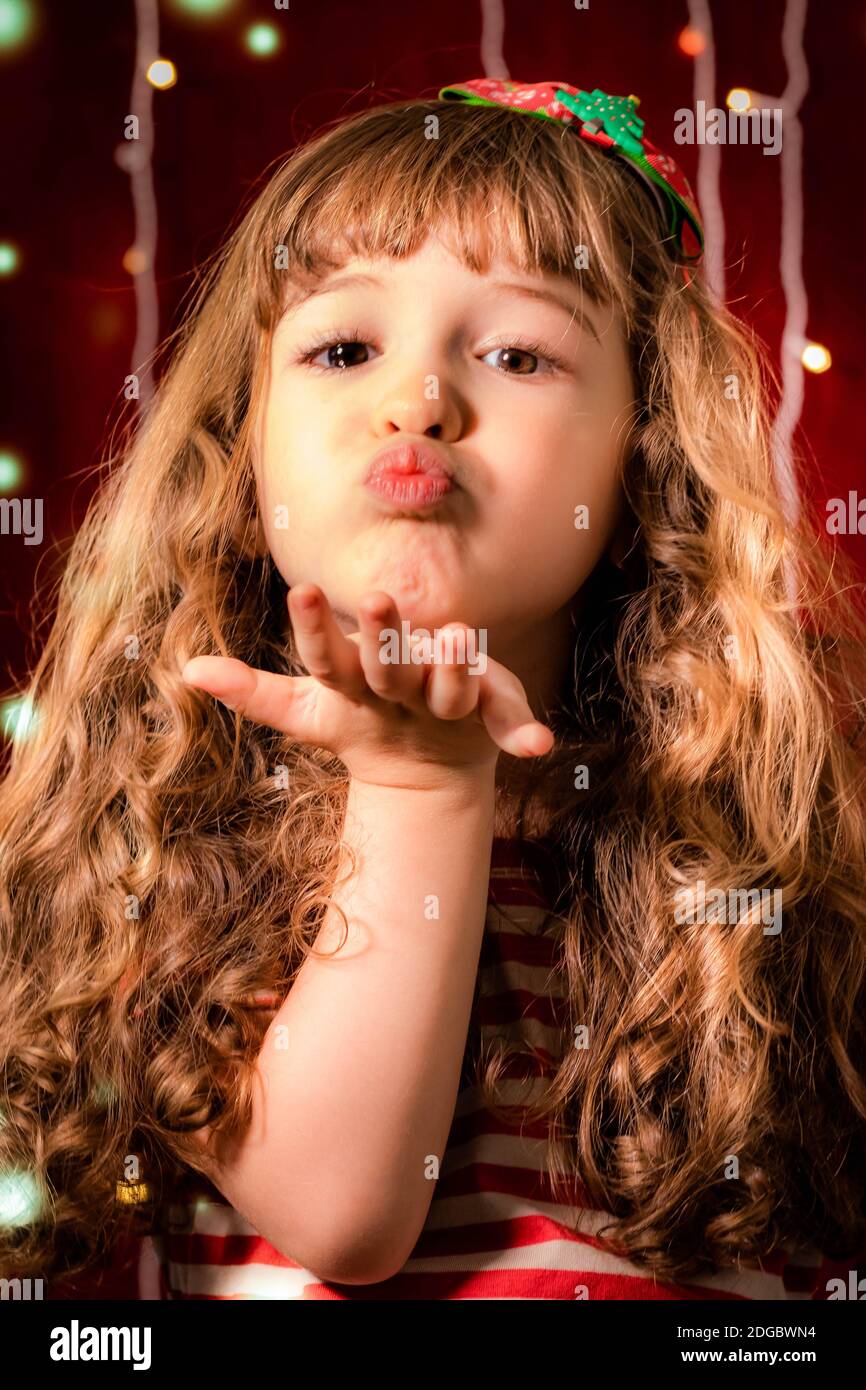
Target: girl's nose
(419,405)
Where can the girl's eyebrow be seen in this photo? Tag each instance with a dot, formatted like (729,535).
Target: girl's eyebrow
(542,293)
(329,286)
(552,297)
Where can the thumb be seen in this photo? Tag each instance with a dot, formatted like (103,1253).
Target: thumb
(263,696)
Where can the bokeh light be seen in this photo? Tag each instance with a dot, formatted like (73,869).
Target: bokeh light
(107,323)
(18,718)
(739,99)
(10,258)
(135,261)
(11,471)
(815,357)
(203,9)
(130,1193)
(20,1200)
(17,23)
(162,73)
(262,39)
(691,41)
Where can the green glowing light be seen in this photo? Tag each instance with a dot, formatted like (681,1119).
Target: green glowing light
(18,718)
(205,8)
(16,22)
(20,1199)
(263,39)
(10,471)
(9,258)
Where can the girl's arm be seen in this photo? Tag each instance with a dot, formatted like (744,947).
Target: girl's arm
(361,1064)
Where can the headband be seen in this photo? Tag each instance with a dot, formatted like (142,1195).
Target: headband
(609,122)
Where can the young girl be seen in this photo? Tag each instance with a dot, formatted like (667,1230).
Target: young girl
(348,964)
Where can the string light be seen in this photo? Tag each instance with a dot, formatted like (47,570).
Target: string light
(136,157)
(815,357)
(739,99)
(691,41)
(791,265)
(135,261)
(492,35)
(709,173)
(162,73)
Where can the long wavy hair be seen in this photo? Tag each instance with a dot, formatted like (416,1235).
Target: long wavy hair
(162,860)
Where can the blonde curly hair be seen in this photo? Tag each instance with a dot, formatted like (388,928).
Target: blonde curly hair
(162,860)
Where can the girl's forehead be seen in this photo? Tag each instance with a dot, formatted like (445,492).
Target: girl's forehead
(436,261)
(487,229)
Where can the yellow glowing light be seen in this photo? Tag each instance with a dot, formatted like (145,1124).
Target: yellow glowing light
(130,1193)
(815,357)
(691,41)
(162,73)
(739,99)
(135,262)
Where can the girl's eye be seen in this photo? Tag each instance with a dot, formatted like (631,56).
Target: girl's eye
(518,361)
(339,355)
(344,351)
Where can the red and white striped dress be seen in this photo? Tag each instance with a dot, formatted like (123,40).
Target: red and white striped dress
(493,1230)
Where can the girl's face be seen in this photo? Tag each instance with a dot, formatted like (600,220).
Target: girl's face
(526,402)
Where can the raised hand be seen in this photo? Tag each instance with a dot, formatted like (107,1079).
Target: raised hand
(402,724)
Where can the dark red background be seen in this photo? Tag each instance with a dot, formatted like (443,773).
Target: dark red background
(69,314)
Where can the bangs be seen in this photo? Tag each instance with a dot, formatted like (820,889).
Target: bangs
(491,183)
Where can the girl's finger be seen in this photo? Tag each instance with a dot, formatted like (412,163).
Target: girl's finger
(451,692)
(399,681)
(262,696)
(323,648)
(506,713)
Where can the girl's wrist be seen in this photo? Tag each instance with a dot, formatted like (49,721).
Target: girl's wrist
(457,786)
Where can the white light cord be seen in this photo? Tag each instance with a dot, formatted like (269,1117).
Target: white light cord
(140,170)
(708,188)
(791,256)
(492,35)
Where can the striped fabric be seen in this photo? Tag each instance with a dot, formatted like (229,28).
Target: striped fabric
(493,1230)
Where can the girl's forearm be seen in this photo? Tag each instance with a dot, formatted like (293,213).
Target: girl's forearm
(361,1064)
